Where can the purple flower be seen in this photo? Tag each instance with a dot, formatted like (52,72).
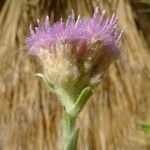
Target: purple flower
(77,52)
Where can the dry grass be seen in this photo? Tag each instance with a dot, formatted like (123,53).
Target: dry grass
(30,115)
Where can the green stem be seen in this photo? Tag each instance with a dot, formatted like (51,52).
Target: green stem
(70,133)
(80,102)
(73,105)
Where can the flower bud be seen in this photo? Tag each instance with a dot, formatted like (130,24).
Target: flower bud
(77,54)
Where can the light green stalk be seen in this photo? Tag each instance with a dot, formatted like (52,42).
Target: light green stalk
(72,110)
(70,131)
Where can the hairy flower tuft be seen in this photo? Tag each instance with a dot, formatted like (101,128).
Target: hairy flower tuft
(76,54)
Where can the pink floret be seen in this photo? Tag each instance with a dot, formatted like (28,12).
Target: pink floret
(84,30)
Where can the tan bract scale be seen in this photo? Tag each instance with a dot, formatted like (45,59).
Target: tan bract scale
(96,79)
(60,64)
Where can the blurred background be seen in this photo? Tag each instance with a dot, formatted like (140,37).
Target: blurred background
(30,115)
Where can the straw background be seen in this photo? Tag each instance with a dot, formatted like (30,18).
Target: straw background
(30,115)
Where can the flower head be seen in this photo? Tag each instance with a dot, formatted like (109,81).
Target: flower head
(76,54)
